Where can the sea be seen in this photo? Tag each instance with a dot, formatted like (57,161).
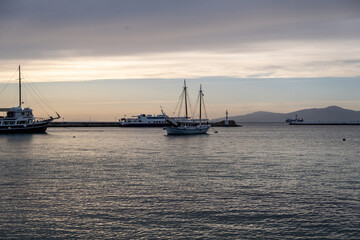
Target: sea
(259,181)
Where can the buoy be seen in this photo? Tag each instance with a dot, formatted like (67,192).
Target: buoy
(344,139)
(73,136)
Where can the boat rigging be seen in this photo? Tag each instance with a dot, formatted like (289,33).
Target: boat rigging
(186,125)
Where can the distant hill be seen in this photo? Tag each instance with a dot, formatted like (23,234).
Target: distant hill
(331,113)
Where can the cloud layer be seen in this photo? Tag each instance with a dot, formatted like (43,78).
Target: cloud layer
(81,40)
(72,28)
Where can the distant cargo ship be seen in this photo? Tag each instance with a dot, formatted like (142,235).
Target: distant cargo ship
(296,120)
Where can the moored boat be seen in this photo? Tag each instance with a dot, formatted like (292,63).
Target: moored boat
(22,120)
(143,120)
(296,120)
(186,125)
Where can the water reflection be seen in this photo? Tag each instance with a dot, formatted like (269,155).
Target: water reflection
(260,181)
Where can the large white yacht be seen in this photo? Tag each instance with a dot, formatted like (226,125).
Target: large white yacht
(22,120)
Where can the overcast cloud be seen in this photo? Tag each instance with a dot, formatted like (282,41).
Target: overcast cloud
(43,29)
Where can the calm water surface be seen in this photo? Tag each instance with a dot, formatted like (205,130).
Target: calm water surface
(258,181)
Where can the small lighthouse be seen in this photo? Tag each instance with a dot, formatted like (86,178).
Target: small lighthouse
(227,118)
(226,122)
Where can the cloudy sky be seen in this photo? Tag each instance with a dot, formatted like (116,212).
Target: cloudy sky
(249,55)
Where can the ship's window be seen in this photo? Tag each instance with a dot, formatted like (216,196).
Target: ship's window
(10,114)
(27,113)
(22,113)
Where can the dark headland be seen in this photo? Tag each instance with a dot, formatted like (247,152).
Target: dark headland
(331,114)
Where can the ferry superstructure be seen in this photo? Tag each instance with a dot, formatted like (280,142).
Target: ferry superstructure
(143,120)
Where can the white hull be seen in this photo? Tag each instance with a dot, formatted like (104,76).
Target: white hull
(185,125)
(187,130)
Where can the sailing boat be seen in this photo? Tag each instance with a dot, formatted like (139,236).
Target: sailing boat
(22,120)
(186,125)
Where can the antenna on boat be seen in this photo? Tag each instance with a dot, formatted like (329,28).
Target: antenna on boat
(19,87)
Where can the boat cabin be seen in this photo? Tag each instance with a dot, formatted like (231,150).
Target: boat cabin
(16,115)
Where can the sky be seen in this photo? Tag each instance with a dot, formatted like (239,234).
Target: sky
(106,59)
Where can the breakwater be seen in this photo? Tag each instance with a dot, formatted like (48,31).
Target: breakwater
(84,124)
(116,124)
(223,123)
(324,123)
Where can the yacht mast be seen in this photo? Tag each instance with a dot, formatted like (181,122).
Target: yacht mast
(185,92)
(200,101)
(19,87)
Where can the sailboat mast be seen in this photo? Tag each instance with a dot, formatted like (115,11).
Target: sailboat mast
(200,101)
(19,87)
(185,92)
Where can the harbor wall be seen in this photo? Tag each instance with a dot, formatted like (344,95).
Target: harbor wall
(323,123)
(84,124)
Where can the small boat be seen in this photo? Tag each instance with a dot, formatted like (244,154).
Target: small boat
(296,120)
(186,125)
(22,120)
(143,120)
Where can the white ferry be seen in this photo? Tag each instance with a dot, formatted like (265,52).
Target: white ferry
(143,120)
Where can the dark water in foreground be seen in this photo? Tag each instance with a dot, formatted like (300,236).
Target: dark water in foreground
(258,181)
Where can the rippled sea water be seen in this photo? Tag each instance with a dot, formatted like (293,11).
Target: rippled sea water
(258,181)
